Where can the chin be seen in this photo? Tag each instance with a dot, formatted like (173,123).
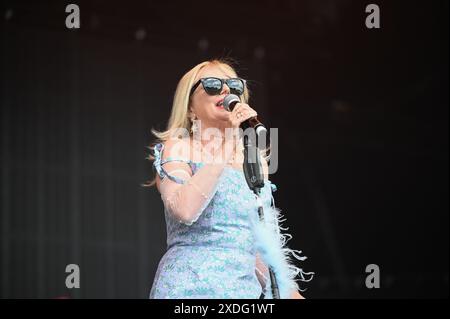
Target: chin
(221,114)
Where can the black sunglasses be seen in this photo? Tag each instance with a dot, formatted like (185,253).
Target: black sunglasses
(214,86)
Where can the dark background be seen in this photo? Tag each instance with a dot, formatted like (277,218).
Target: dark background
(362,117)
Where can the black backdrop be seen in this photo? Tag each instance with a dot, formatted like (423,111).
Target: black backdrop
(362,117)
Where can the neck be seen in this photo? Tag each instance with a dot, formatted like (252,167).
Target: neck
(209,133)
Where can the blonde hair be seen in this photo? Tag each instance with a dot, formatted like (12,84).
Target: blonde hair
(179,117)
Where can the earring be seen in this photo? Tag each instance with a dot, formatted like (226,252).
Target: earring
(194,125)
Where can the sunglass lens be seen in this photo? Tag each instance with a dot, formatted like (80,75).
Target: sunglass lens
(212,86)
(236,86)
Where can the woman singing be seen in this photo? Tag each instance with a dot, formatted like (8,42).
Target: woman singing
(217,247)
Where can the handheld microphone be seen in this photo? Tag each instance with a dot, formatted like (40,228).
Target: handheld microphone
(230,101)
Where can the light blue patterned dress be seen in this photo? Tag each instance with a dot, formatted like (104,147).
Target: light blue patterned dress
(215,256)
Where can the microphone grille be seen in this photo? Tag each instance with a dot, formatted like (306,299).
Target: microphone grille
(229,101)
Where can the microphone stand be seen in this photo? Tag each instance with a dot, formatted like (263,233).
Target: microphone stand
(255,180)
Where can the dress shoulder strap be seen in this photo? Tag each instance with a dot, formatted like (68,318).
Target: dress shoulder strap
(159,162)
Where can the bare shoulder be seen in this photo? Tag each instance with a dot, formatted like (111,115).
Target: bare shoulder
(176,148)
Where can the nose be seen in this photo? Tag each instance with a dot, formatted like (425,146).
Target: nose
(225,89)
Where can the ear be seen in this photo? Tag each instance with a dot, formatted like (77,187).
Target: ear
(190,113)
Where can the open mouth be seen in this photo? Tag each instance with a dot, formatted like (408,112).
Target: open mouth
(220,103)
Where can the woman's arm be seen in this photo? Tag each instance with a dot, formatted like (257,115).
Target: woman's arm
(186,201)
(262,272)
(296,295)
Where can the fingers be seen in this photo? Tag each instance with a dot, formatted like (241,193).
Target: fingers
(245,109)
(241,113)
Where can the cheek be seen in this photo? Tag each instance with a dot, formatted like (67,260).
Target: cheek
(204,103)
(207,100)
